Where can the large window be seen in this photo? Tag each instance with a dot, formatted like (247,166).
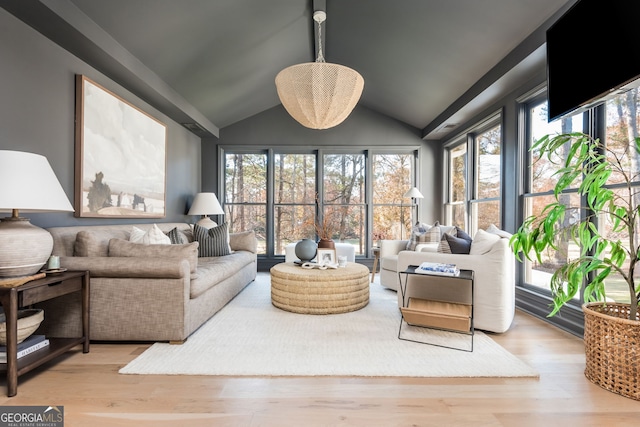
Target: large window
(539,182)
(474,188)
(294,198)
(245,195)
(485,205)
(281,194)
(620,117)
(392,176)
(343,198)
(456,206)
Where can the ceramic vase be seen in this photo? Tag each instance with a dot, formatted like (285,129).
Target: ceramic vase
(306,250)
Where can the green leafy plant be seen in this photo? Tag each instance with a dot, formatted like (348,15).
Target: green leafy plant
(591,163)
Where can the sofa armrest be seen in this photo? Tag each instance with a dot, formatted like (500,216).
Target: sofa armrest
(139,267)
(391,247)
(244,241)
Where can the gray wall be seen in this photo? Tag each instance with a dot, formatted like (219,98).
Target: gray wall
(37,110)
(364,128)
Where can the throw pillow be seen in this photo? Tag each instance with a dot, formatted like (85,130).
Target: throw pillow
(87,245)
(435,233)
(454,245)
(461,233)
(495,230)
(418,235)
(177,237)
(213,241)
(124,248)
(153,236)
(483,242)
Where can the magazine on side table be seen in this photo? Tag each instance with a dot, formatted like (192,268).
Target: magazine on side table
(438,269)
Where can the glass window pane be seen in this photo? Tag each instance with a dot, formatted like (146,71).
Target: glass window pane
(486,213)
(622,116)
(489,164)
(458,171)
(542,178)
(245,178)
(539,274)
(292,224)
(295,178)
(248,217)
(391,222)
(391,177)
(349,222)
(459,215)
(343,179)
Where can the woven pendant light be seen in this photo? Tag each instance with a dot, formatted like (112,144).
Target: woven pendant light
(319,95)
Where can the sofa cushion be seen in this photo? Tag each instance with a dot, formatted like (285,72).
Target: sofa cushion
(87,245)
(483,242)
(213,241)
(153,236)
(214,270)
(123,248)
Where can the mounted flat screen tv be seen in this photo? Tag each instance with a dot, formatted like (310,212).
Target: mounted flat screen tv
(593,52)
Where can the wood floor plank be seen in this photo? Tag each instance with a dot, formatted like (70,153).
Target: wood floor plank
(93,393)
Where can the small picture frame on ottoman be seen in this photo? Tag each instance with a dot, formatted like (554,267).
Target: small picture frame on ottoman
(326,256)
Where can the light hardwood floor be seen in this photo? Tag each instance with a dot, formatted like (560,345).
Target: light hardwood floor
(94,394)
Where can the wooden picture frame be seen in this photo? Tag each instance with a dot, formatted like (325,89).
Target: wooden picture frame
(326,256)
(120,156)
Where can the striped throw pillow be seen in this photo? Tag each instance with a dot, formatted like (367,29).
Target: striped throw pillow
(213,241)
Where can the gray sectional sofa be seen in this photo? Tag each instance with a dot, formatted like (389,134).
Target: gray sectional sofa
(146,292)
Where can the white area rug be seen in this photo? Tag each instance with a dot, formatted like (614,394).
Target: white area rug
(252,337)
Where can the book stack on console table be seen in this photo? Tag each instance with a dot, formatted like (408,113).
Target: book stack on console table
(28,346)
(438,268)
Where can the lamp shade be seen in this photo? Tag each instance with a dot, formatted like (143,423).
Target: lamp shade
(206,204)
(414,193)
(27,184)
(319,95)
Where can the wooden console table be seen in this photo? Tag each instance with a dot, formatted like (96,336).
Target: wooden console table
(33,292)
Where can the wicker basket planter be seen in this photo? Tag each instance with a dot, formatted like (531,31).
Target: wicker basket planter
(612,348)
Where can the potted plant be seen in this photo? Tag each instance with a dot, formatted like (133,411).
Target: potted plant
(612,329)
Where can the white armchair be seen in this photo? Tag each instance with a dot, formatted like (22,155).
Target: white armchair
(494,283)
(389,250)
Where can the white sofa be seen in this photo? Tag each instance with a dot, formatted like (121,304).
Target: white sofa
(494,281)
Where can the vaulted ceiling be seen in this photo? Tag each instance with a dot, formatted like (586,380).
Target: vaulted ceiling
(213,62)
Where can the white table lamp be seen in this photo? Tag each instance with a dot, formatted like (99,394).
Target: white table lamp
(206,204)
(27,184)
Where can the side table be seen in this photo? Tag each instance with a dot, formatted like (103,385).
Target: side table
(33,292)
(376,257)
(449,306)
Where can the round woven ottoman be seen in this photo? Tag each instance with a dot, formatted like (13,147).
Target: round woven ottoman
(315,291)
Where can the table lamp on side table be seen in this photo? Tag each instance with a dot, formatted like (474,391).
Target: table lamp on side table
(27,184)
(206,204)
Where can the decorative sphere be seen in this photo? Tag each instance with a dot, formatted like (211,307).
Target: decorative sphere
(306,249)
